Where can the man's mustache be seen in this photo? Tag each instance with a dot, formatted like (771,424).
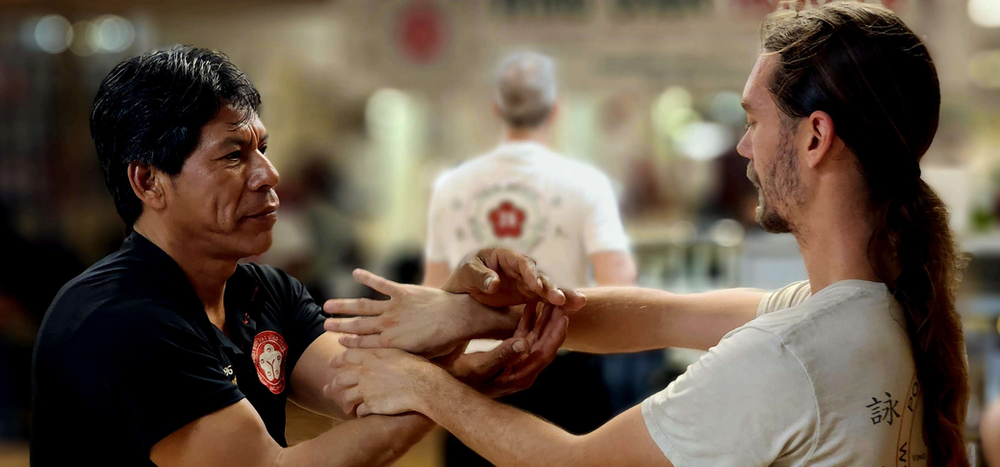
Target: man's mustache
(752,175)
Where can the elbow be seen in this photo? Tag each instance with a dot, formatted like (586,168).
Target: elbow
(577,453)
(619,269)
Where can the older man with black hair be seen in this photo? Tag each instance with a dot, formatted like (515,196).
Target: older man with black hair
(169,351)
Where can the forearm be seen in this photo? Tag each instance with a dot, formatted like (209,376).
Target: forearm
(632,319)
(371,441)
(502,434)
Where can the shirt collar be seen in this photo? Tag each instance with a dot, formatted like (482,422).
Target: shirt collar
(241,288)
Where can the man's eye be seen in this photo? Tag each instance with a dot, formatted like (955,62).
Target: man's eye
(234,156)
(263,150)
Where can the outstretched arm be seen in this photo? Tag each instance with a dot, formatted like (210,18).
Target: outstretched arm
(619,319)
(632,319)
(393,381)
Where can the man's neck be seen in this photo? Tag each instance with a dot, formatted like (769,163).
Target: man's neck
(515,135)
(207,274)
(834,243)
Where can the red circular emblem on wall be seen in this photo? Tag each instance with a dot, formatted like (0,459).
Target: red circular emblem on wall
(269,355)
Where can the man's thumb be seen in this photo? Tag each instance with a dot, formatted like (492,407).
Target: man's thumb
(506,354)
(488,280)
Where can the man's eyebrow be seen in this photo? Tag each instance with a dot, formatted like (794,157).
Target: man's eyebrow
(239,141)
(746,105)
(235,141)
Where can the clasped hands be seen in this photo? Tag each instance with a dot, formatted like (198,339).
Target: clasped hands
(399,351)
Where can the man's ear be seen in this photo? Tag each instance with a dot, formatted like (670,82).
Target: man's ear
(819,129)
(148,184)
(554,113)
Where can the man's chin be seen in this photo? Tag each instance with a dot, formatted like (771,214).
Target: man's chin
(263,242)
(255,245)
(771,222)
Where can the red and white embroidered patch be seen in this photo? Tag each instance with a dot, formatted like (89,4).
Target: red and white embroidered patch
(269,354)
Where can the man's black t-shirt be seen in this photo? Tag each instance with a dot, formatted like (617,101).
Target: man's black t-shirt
(126,355)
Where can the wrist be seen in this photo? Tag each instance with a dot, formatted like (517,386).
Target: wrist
(443,389)
(484,322)
(426,389)
(497,323)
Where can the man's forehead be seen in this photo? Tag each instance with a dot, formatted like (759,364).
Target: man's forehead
(237,123)
(755,93)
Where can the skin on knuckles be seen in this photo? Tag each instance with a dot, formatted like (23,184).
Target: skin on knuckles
(391,381)
(500,277)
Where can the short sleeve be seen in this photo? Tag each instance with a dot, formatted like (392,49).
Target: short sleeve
(786,297)
(436,251)
(303,321)
(747,402)
(603,230)
(154,372)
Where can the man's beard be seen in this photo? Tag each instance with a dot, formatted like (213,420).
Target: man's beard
(781,187)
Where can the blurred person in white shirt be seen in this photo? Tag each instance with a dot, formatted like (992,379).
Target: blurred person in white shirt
(525,196)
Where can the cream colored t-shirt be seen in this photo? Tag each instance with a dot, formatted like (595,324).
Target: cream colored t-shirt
(821,380)
(526,197)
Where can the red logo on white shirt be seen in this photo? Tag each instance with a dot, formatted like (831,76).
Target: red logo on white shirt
(507,220)
(269,354)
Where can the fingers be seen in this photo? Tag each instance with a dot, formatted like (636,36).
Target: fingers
(393,353)
(344,390)
(361,326)
(551,293)
(448,359)
(555,333)
(574,301)
(355,306)
(508,352)
(478,277)
(372,341)
(523,268)
(540,323)
(538,282)
(544,350)
(347,358)
(351,396)
(346,379)
(377,282)
(473,275)
(527,319)
(346,397)
(363,410)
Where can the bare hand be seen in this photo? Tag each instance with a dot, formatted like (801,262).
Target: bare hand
(500,277)
(494,373)
(390,381)
(417,319)
(382,381)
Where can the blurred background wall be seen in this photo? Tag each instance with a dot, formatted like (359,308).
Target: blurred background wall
(367,102)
